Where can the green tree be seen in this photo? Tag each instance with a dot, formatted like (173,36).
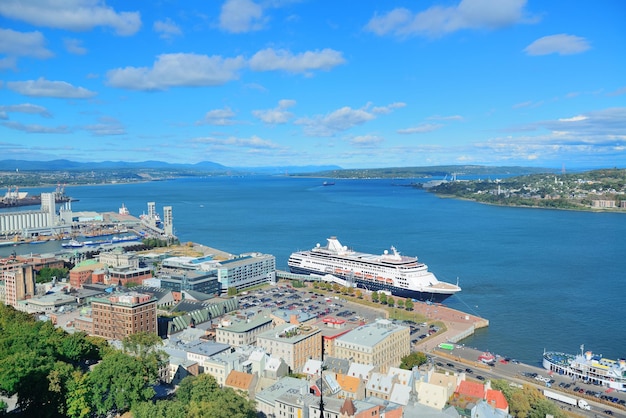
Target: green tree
(118,382)
(383,298)
(46,274)
(358,294)
(390,301)
(375,297)
(408,305)
(160,409)
(400,303)
(414,359)
(232,291)
(78,401)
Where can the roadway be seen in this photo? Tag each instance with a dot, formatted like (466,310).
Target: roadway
(464,358)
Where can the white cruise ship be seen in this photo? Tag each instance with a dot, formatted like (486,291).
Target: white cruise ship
(400,275)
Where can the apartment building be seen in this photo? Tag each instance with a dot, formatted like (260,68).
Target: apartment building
(246,271)
(295,344)
(120,315)
(239,332)
(382,343)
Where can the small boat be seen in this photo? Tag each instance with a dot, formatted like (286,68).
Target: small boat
(72,244)
(328,183)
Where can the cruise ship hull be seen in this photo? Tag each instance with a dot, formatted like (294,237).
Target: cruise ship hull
(377,287)
(399,275)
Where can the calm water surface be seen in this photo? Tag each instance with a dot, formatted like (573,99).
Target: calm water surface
(545,279)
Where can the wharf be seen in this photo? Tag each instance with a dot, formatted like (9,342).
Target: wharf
(458,324)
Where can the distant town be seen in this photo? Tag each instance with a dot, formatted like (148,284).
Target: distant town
(598,190)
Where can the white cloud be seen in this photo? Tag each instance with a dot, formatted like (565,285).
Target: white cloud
(36,129)
(45,88)
(383,110)
(26,108)
(74,46)
(239,16)
(106,126)
(23,44)
(177,70)
(219,117)
(423,128)
(561,44)
(573,119)
(277,115)
(75,15)
(7,63)
(339,120)
(271,60)
(366,140)
(167,28)
(438,20)
(617,92)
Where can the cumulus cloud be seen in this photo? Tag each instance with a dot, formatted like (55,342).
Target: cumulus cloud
(36,129)
(74,46)
(219,117)
(106,126)
(74,15)
(23,44)
(277,115)
(383,110)
(239,16)
(167,28)
(339,120)
(177,70)
(561,44)
(420,129)
(438,20)
(25,108)
(46,88)
(271,60)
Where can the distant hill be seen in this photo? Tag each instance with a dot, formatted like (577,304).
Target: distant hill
(204,166)
(432,171)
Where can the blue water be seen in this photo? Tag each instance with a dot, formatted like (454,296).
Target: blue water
(545,279)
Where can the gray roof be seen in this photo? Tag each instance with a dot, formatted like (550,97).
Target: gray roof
(370,334)
(284,385)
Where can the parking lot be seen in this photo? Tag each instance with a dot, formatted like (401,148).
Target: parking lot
(310,301)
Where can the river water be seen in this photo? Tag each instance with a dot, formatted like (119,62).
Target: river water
(545,279)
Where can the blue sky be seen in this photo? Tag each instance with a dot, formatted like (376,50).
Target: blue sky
(357,84)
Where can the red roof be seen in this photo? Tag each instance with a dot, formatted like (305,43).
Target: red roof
(496,398)
(473,389)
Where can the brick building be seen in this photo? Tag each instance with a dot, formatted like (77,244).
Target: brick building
(120,315)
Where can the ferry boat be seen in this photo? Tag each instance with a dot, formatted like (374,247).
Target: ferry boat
(400,275)
(588,367)
(73,244)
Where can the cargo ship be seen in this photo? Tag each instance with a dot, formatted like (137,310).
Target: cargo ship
(399,275)
(588,367)
(16,198)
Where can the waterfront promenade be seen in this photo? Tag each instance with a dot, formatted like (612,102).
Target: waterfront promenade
(458,325)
